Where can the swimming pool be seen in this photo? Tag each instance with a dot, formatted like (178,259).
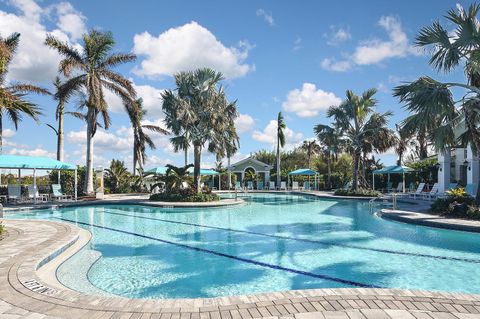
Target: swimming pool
(272,243)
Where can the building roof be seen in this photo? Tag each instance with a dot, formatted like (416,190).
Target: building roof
(31,162)
(251,160)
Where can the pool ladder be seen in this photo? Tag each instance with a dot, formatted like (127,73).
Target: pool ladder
(392,197)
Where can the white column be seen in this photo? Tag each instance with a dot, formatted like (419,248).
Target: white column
(473,171)
(444,171)
(75,184)
(459,159)
(34,186)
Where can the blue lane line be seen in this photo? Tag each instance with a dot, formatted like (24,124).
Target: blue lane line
(216,253)
(326,243)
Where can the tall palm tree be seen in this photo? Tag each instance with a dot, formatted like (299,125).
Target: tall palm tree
(117,173)
(12,97)
(311,148)
(281,126)
(136,114)
(197,114)
(331,142)
(363,129)
(91,70)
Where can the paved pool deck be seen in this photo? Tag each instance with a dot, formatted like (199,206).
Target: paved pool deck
(23,294)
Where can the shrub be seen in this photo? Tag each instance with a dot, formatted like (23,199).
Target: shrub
(181,197)
(456,204)
(359,192)
(2,229)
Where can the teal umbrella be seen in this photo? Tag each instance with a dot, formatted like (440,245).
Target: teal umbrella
(161,170)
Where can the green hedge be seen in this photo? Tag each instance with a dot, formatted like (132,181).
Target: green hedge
(177,197)
(456,204)
(359,192)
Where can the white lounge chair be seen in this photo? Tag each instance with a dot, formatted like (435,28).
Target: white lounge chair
(238,185)
(57,193)
(271,186)
(250,185)
(32,193)
(418,192)
(295,186)
(283,185)
(14,193)
(432,193)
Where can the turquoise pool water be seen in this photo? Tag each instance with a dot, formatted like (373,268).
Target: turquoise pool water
(272,243)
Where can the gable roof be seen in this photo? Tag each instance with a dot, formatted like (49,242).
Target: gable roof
(251,160)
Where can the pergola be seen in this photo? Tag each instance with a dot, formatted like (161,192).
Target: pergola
(392,170)
(35,163)
(305,172)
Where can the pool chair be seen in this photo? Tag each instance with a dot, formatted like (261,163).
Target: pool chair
(250,185)
(432,193)
(295,186)
(306,186)
(418,192)
(211,185)
(389,187)
(283,185)
(58,194)
(238,185)
(259,186)
(271,186)
(449,188)
(14,193)
(33,192)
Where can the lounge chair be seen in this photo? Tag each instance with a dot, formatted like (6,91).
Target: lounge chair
(260,186)
(14,193)
(250,185)
(283,185)
(295,186)
(432,193)
(449,188)
(32,193)
(271,186)
(398,189)
(418,192)
(58,194)
(306,186)
(388,188)
(238,185)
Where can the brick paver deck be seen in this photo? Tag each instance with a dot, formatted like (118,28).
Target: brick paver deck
(22,294)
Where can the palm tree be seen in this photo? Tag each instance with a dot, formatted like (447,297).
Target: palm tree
(198,113)
(331,142)
(431,102)
(310,148)
(12,97)
(281,126)
(363,129)
(91,71)
(117,174)
(175,177)
(136,114)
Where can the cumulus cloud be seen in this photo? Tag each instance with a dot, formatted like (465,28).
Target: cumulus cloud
(337,35)
(374,51)
(38,151)
(269,135)
(244,123)
(189,47)
(297,43)
(309,101)
(34,61)
(267,16)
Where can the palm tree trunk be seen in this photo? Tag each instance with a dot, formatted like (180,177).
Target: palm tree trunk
(356,163)
(279,177)
(186,156)
(88,186)
(1,141)
(135,158)
(60,137)
(197,152)
(229,174)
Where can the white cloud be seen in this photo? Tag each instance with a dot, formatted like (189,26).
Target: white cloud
(337,35)
(267,16)
(297,43)
(309,101)
(189,47)
(375,50)
(244,123)
(6,133)
(70,20)
(269,135)
(39,151)
(33,61)
(337,66)
(152,101)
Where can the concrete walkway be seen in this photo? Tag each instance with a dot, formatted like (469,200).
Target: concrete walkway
(23,294)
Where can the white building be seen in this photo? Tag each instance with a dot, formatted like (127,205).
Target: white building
(460,166)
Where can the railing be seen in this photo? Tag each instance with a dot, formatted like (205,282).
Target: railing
(393,197)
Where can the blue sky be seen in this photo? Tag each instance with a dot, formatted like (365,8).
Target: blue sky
(276,56)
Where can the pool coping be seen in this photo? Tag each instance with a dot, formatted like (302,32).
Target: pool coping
(29,242)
